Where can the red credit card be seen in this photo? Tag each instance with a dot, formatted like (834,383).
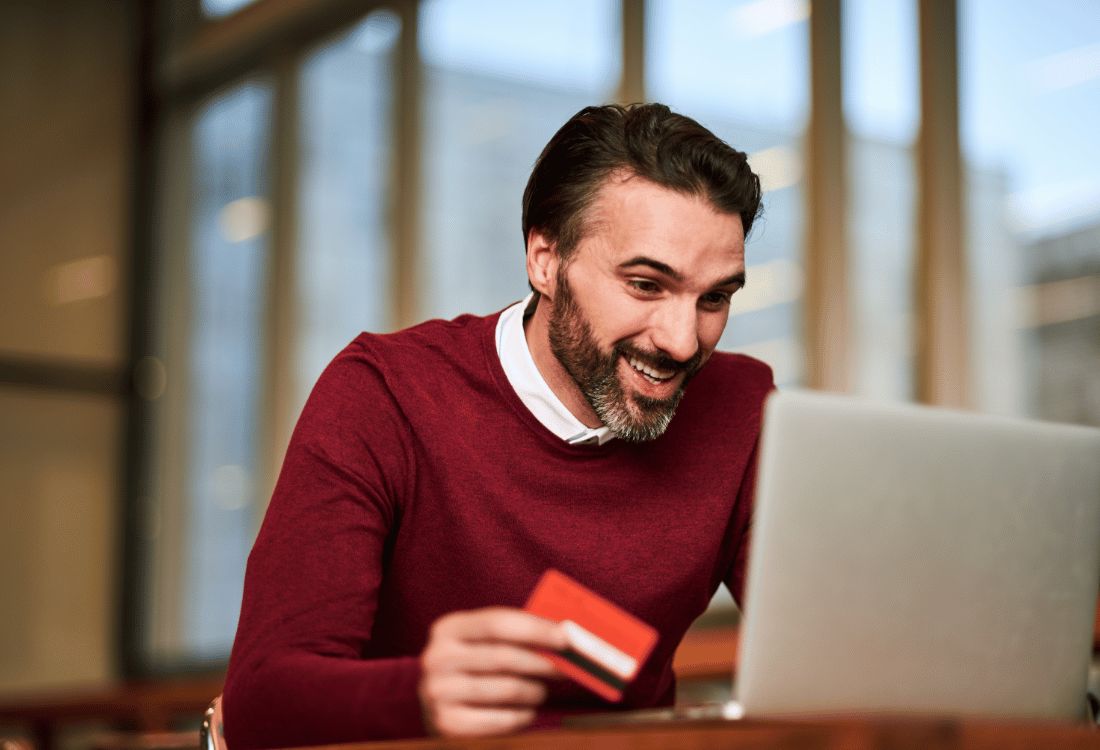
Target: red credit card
(607,644)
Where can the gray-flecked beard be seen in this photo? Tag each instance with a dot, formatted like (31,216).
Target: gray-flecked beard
(636,418)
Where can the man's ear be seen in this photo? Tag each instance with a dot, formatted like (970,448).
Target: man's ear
(542,263)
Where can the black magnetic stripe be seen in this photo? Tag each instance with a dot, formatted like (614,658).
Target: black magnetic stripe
(593,668)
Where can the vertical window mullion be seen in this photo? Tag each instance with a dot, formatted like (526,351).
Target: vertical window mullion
(826,297)
(406,201)
(164,504)
(632,86)
(942,375)
(281,320)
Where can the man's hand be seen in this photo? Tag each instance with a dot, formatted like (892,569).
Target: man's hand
(480,674)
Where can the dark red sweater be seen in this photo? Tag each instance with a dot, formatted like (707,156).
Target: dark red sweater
(417,483)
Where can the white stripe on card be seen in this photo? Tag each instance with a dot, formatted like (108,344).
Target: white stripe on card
(617,662)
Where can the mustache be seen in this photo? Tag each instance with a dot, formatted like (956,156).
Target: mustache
(659,360)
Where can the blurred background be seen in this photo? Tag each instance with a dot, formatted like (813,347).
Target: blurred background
(203,201)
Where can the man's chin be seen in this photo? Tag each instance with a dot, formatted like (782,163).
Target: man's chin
(645,418)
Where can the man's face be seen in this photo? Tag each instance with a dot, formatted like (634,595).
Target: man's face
(641,304)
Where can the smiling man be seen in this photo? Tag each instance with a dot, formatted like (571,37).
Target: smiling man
(656,270)
(436,473)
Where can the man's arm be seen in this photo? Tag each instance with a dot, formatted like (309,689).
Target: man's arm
(297,675)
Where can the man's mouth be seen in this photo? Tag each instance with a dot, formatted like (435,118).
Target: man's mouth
(652,374)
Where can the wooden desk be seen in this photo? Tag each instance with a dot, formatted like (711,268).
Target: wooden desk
(706,654)
(148,707)
(856,734)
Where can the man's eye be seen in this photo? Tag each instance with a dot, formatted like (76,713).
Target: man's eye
(645,285)
(716,299)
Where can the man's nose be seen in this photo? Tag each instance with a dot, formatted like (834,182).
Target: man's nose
(676,332)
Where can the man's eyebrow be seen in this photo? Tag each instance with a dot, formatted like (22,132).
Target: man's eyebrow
(656,265)
(664,268)
(738,278)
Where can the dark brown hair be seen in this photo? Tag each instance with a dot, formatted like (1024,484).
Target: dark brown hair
(646,140)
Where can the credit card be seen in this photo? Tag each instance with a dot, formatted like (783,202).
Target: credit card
(607,644)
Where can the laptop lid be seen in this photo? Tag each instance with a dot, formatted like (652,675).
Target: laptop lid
(918,560)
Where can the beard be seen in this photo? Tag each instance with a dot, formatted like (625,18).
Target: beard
(632,417)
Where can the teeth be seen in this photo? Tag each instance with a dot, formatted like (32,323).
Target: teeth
(653,376)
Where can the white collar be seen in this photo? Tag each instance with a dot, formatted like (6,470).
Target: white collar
(519,366)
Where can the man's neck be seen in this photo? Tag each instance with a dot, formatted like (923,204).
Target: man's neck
(536,328)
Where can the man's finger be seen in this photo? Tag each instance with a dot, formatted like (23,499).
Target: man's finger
(502,658)
(460,721)
(505,625)
(486,658)
(486,690)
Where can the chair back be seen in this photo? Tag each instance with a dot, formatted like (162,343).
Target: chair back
(211,733)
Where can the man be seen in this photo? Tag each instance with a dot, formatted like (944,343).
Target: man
(436,473)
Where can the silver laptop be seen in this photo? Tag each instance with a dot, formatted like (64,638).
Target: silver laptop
(910,560)
(921,561)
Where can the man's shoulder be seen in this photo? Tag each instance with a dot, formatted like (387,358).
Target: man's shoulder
(729,384)
(417,345)
(394,373)
(727,368)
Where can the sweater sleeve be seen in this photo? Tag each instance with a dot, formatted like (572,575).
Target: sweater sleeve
(735,576)
(760,388)
(296,674)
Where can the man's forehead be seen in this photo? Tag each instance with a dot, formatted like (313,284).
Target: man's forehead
(622,188)
(665,230)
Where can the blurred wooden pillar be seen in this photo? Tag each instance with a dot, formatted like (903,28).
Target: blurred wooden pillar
(825,304)
(632,83)
(406,177)
(282,317)
(942,341)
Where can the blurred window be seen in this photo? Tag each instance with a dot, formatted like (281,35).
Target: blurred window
(1029,115)
(217,371)
(882,112)
(229,255)
(217,8)
(741,69)
(500,78)
(246,325)
(344,249)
